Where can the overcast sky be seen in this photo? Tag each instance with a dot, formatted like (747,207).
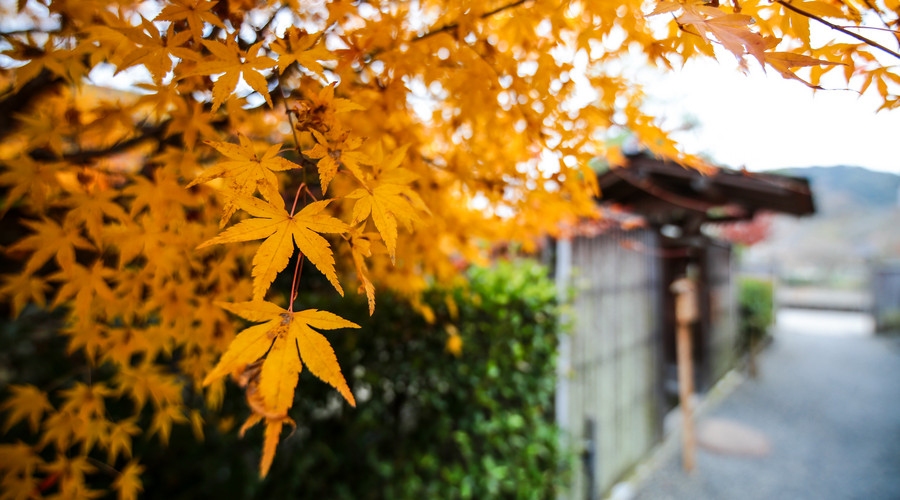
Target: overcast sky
(763,121)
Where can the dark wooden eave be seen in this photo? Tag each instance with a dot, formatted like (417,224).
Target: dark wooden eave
(665,192)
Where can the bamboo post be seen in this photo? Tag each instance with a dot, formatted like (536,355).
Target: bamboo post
(686,313)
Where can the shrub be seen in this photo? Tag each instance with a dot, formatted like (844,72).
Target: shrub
(756,304)
(429,423)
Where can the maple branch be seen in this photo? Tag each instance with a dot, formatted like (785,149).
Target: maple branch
(452,26)
(305,160)
(867,41)
(86,156)
(889,30)
(18,101)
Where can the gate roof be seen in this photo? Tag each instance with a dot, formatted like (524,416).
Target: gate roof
(665,192)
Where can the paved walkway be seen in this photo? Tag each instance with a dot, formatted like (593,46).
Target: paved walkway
(827,404)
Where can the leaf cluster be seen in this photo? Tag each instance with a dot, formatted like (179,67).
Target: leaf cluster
(407,138)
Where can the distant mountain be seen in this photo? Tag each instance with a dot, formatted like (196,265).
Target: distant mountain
(845,188)
(857,220)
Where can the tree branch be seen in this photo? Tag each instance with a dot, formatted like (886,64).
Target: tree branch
(86,156)
(833,26)
(452,26)
(16,102)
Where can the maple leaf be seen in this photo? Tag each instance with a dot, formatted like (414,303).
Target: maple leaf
(247,170)
(24,176)
(154,51)
(784,62)
(195,12)
(25,402)
(89,209)
(360,248)
(50,240)
(23,289)
(279,228)
(730,29)
(280,337)
(128,482)
(390,199)
(84,285)
(283,328)
(298,46)
(232,63)
(67,64)
(119,440)
(162,422)
(330,153)
(319,112)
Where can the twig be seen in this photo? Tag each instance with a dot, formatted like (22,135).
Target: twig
(451,26)
(896,32)
(298,270)
(833,26)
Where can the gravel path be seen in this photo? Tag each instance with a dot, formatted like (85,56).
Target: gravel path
(829,405)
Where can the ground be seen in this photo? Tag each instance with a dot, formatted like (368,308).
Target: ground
(827,405)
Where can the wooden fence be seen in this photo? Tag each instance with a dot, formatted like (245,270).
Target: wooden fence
(609,392)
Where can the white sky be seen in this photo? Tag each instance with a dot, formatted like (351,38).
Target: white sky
(764,121)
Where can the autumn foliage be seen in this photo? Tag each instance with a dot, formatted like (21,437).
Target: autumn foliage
(248,144)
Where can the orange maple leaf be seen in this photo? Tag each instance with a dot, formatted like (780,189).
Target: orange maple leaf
(784,62)
(272,222)
(732,30)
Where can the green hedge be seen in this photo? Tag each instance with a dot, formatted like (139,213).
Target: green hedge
(756,301)
(428,424)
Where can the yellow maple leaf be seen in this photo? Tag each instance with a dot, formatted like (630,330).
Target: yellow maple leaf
(195,12)
(22,289)
(28,179)
(246,169)
(128,483)
(50,240)
(279,228)
(281,330)
(332,153)
(280,337)
(272,434)
(154,51)
(390,199)
(299,46)
(232,63)
(25,402)
(118,440)
(360,248)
